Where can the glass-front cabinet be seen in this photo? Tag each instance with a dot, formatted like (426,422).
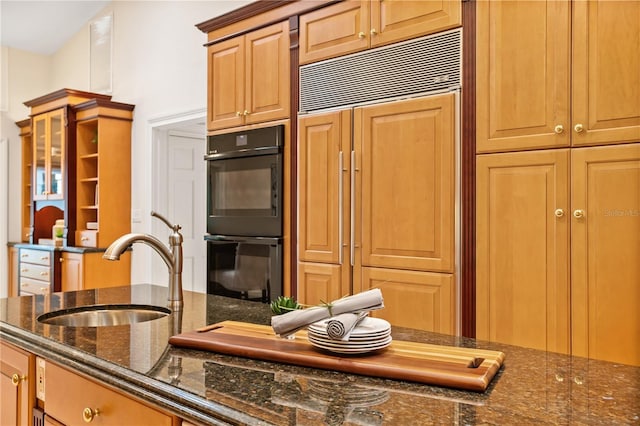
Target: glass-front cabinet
(49,151)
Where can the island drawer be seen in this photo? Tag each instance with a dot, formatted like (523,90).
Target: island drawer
(39,257)
(71,398)
(87,238)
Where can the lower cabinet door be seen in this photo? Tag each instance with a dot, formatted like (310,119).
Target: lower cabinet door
(414,299)
(73,400)
(16,386)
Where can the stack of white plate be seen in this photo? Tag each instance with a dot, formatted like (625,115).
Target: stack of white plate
(369,335)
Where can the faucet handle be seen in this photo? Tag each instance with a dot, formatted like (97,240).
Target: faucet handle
(175,227)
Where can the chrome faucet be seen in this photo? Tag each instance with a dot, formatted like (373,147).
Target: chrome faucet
(172,256)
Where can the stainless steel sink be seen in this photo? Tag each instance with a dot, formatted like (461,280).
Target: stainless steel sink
(103,315)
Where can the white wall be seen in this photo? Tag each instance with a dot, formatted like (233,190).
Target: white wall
(159,65)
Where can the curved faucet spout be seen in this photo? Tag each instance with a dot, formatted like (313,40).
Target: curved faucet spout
(172,257)
(115,250)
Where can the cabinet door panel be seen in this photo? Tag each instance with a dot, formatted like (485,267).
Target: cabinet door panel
(324,152)
(606,71)
(523,52)
(17,400)
(522,271)
(318,282)
(267,74)
(225,95)
(421,300)
(394,20)
(605,250)
(406,183)
(335,30)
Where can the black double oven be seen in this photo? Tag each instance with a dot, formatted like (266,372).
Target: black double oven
(244,214)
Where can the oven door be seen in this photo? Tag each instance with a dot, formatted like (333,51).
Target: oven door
(244,196)
(244,267)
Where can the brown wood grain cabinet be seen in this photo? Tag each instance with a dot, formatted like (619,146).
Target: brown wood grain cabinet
(353,25)
(248,78)
(72,399)
(82,271)
(557,250)
(17,385)
(557,74)
(49,150)
(377,210)
(27,173)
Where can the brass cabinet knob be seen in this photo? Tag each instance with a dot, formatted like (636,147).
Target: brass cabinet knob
(361,34)
(238,113)
(578,214)
(16,379)
(578,128)
(558,129)
(373,31)
(84,239)
(88,414)
(245,113)
(559,212)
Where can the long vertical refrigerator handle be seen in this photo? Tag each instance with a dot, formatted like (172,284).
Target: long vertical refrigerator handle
(340,207)
(353,208)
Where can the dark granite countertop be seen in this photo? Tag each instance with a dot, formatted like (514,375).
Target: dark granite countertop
(203,387)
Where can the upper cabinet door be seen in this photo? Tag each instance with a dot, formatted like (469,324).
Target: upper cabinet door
(332,31)
(606,72)
(394,20)
(267,74)
(49,155)
(226,83)
(405,181)
(523,53)
(249,78)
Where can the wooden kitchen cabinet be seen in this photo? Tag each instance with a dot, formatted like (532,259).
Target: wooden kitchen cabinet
(17,385)
(82,271)
(27,172)
(557,74)
(72,398)
(14,271)
(557,250)
(522,249)
(384,208)
(353,25)
(103,188)
(248,78)
(49,151)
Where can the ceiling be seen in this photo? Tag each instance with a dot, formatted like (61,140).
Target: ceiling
(43,27)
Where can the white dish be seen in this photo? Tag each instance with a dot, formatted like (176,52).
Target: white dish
(350,350)
(348,345)
(366,327)
(351,342)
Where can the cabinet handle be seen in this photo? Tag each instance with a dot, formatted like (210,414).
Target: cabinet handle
(373,31)
(578,214)
(340,206)
(238,113)
(24,270)
(44,274)
(44,258)
(88,414)
(61,260)
(16,379)
(559,212)
(245,113)
(84,239)
(559,129)
(361,34)
(578,128)
(24,255)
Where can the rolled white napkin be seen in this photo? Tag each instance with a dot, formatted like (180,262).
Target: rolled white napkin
(341,326)
(293,321)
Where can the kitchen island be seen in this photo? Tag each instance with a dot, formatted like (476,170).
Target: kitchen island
(208,388)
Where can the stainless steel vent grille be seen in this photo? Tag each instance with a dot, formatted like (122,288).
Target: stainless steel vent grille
(428,64)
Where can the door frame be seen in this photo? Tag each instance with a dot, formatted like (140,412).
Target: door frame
(159,129)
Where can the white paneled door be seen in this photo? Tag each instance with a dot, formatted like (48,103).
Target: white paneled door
(186,202)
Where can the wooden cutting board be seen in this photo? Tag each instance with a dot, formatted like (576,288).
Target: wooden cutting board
(462,368)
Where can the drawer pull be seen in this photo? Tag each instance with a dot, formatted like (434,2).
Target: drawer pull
(16,379)
(84,239)
(25,255)
(24,270)
(88,414)
(44,258)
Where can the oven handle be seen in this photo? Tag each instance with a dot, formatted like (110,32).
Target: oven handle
(241,153)
(232,238)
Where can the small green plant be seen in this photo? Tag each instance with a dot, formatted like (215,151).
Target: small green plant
(284,304)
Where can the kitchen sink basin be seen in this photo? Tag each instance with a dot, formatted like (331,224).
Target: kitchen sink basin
(103,315)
